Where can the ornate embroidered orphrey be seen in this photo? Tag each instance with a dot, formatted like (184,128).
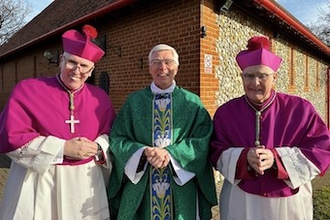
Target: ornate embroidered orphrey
(161,194)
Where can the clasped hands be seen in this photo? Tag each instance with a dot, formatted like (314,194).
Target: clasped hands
(157,157)
(80,148)
(260,159)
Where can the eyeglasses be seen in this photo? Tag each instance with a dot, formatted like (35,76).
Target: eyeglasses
(72,65)
(260,77)
(159,62)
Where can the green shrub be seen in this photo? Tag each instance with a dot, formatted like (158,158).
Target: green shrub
(321,203)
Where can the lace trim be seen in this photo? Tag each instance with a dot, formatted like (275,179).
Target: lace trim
(23,151)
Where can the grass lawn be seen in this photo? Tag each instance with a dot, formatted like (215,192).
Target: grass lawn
(321,203)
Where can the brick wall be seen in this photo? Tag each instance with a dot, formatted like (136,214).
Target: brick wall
(132,32)
(209,81)
(25,64)
(130,35)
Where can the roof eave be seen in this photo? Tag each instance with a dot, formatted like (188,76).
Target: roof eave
(110,8)
(276,10)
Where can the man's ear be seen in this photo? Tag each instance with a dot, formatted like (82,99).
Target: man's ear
(275,75)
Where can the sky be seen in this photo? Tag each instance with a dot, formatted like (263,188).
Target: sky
(37,6)
(306,11)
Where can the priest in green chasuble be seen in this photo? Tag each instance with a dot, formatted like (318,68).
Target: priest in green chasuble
(160,144)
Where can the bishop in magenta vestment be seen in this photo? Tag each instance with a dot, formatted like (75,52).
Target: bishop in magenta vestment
(33,130)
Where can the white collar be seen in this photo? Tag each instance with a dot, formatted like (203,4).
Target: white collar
(156,90)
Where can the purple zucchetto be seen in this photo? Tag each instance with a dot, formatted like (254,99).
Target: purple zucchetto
(258,54)
(81,45)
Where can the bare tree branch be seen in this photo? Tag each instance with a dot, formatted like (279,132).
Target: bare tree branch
(12,14)
(322,27)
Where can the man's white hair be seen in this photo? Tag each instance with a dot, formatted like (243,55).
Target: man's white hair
(162,47)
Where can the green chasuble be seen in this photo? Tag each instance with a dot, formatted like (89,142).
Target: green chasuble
(133,129)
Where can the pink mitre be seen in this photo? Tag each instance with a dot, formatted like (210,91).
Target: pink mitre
(81,45)
(258,54)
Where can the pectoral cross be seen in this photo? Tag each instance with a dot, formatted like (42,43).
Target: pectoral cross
(72,121)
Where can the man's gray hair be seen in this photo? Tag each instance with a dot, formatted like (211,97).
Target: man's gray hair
(162,47)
